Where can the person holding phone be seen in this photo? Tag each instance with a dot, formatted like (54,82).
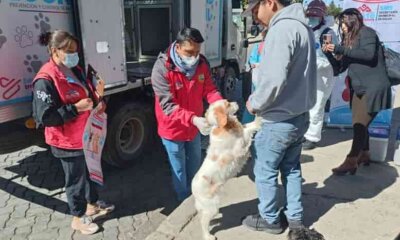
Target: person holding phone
(62,101)
(361,53)
(320,23)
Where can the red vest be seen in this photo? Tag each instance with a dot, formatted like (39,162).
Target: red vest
(69,135)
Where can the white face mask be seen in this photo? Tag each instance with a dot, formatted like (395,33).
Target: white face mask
(314,21)
(71,60)
(190,61)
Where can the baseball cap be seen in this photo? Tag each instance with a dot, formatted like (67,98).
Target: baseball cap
(252,4)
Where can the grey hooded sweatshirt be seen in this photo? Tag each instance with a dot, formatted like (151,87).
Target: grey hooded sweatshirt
(286,84)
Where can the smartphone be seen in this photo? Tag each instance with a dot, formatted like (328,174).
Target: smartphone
(92,75)
(327,38)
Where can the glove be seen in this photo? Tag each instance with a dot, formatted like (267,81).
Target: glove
(202,124)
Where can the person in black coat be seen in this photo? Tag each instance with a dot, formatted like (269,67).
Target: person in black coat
(361,53)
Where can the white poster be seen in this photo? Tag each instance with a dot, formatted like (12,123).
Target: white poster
(381,15)
(94,138)
(21,56)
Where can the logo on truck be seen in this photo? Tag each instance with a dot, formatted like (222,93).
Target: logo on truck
(9,87)
(32,63)
(59,2)
(23,36)
(42,23)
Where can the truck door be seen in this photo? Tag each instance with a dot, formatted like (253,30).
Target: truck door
(102,29)
(207,16)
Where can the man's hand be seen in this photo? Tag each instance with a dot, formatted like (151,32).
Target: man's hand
(201,124)
(249,108)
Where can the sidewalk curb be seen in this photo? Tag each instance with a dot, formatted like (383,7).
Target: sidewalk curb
(175,222)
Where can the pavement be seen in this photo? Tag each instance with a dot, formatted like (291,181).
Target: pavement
(33,201)
(359,207)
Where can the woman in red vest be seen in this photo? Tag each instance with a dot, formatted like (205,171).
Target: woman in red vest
(62,100)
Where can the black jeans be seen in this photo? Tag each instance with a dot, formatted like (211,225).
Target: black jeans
(79,188)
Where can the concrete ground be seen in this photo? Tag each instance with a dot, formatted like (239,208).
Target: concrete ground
(33,201)
(364,206)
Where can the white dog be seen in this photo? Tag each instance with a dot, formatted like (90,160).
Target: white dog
(226,155)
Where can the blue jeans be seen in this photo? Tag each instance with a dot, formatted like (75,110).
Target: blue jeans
(277,148)
(185,160)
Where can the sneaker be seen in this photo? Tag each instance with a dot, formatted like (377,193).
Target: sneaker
(257,223)
(100,207)
(308,145)
(85,225)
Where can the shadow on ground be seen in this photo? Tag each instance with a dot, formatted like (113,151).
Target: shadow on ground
(368,183)
(143,187)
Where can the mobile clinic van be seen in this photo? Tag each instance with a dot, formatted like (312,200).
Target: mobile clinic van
(121,39)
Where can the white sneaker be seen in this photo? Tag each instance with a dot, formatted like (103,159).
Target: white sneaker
(85,225)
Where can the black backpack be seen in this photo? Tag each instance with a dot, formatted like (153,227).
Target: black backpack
(392,64)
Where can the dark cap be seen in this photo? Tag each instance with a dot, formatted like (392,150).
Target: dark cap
(252,4)
(316,8)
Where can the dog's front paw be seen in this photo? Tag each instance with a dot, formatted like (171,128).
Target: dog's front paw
(258,122)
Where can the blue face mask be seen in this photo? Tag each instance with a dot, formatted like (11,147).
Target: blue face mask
(190,61)
(71,60)
(314,21)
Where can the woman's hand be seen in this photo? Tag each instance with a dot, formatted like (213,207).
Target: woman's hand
(100,87)
(328,48)
(101,107)
(83,105)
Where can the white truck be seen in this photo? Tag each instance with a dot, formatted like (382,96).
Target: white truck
(120,39)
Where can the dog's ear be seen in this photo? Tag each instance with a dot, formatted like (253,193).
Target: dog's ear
(220,115)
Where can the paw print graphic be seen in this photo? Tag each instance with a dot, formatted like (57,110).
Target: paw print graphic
(3,38)
(32,63)
(23,37)
(42,23)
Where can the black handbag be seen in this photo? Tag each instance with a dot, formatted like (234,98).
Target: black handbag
(392,65)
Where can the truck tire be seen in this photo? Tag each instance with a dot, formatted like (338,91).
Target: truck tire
(230,82)
(128,134)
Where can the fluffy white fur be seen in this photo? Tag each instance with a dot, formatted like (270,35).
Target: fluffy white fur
(226,155)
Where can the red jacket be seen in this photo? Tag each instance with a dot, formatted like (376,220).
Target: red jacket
(179,99)
(69,135)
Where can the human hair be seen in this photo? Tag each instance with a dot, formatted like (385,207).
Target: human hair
(353,19)
(189,34)
(58,39)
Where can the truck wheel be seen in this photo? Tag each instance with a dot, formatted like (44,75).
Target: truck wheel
(229,83)
(128,133)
